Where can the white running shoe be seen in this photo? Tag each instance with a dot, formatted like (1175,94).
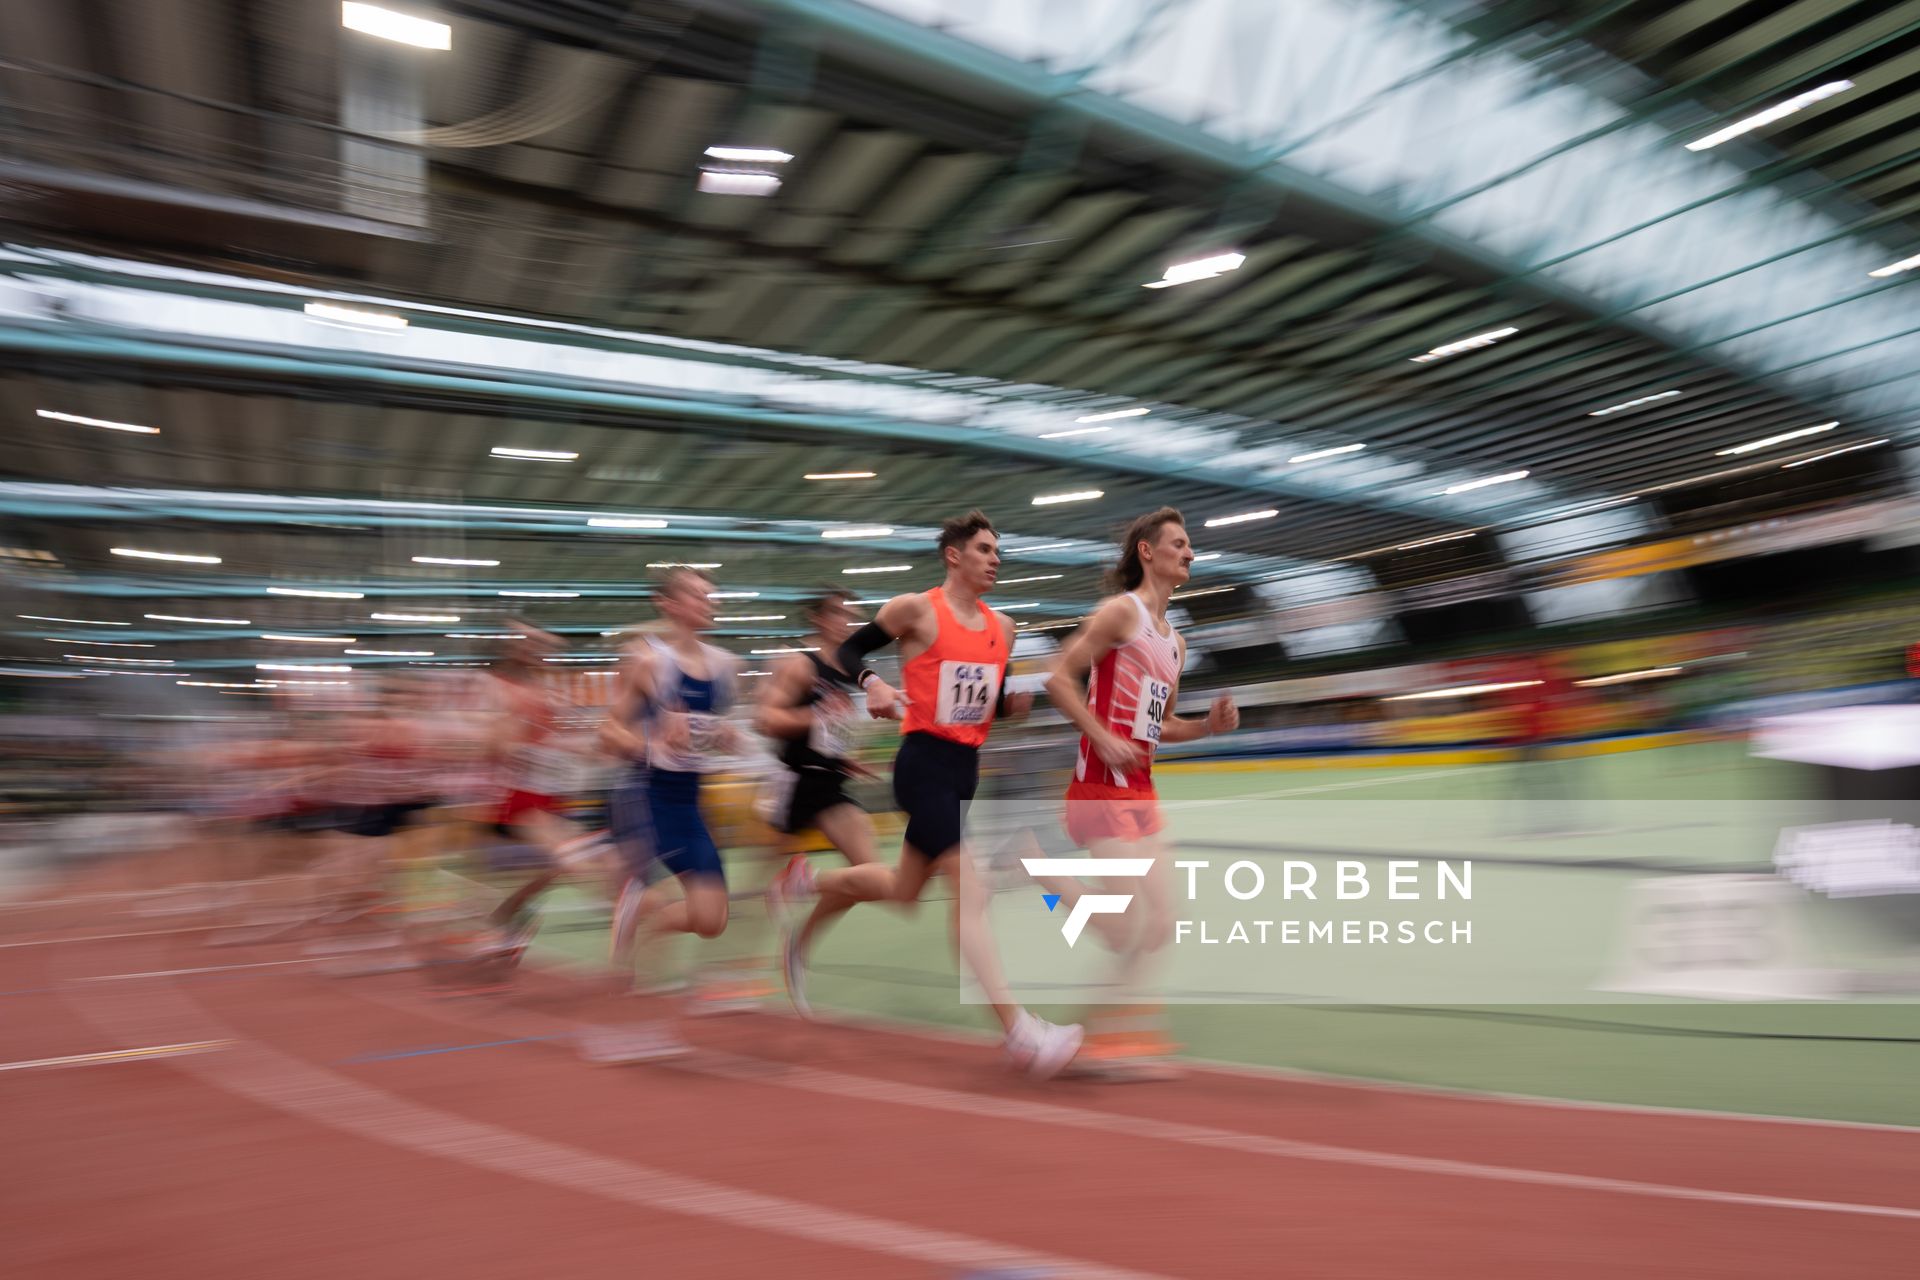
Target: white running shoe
(1040,1048)
(794,965)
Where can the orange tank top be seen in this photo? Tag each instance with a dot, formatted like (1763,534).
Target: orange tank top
(953,687)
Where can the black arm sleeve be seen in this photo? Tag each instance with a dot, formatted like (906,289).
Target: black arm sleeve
(851,656)
(1000,709)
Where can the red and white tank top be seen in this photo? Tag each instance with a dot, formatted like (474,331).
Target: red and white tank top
(1130,691)
(953,688)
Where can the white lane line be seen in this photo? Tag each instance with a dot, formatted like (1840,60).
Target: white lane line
(117,1055)
(211,968)
(766,1071)
(1214,801)
(101,937)
(292,1086)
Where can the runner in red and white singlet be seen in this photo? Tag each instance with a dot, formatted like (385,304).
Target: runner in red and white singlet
(1117,679)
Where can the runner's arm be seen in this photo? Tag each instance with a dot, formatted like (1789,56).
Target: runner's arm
(1110,626)
(780,716)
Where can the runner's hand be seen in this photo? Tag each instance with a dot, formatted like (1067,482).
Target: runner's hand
(884,702)
(1223,716)
(676,734)
(1119,753)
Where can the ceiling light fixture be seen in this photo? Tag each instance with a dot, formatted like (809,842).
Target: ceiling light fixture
(372,20)
(1798,102)
(858,531)
(98,422)
(314,593)
(354,317)
(542,595)
(415,617)
(839,475)
(1199,269)
(533,455)
(181,617)
(1112,414)
(1832,453)
(136,554)
(1318,454)
(1242,518)
(78,622)
(452,560)
(1633,404)
(1505,477)
(627,522)
(1893,268)
(1770,441)
(727,182)
(1077,431)
(1082,495)
(1466,344)
(754,155)
(880,568)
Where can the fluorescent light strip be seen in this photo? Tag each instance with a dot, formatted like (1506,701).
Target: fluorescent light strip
(718,182)
(105,644)
(1318,454)
(1112,415)
(78,622)
(391,653)
(354,317)
(627,522)
(1895,268)
(840,475)
(181,617)
(1082,495)
(1798,102)
(1204,591)
(1462,691)
(1818,457)
(43,675)
(219,684)
(1466,344)
(1633,404)
(476,564)
(758,653)
(1039,577)
(1045,546)
(132,662)
(683,564)
(1077,431)
(858,531)
(603,657)
(295,666)
(1242,518)
(415,617)
(748,617)
(314,593)
(135,553)
(1199,269)
(1770,441)
(533,455)
(98,422)
(761,155)
(542,595)
(1505,477)
(275,635)
(880,568)
(372,20)
(482,635)
(1211,555)
(733,595)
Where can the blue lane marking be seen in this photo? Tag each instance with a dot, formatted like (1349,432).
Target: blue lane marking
(448,1048)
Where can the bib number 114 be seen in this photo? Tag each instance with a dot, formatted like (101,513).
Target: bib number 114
(968,692)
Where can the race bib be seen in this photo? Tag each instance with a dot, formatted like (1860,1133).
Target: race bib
(1151,710)
(706,735)
(969,692)
(831,716)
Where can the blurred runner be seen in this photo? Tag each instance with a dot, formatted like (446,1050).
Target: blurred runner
(954,656)
(1118,678)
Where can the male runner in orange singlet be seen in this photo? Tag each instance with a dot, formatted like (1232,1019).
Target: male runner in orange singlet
(954,655)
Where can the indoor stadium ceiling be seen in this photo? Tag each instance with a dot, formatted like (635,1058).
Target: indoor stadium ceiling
(976,194)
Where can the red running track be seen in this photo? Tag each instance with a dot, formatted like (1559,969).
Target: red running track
(322,1140)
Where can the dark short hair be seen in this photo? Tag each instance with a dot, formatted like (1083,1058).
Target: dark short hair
(1130,573)
(960,530)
